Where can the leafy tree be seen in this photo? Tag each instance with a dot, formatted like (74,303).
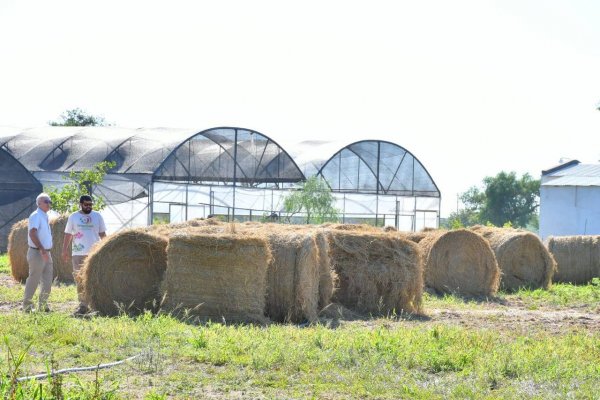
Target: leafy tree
(315,199)
(66,199)
(505,199)
(461,218)
(78,117)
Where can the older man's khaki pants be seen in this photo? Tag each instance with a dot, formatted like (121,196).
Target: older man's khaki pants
(39,271)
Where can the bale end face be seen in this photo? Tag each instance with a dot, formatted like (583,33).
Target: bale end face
(378,273)
(123,272)
(460,262)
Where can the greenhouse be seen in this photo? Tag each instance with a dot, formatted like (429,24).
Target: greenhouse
(374,181)
(18,191)
(172,175)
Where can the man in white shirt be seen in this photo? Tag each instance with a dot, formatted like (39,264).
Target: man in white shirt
(84,228)
(39,258)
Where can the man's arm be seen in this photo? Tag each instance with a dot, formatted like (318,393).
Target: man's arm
(102,235)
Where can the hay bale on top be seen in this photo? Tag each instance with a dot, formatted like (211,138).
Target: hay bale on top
(17,251)
(216,276)
(522,257)
(577,257)
(293,277)
(18,245)
(125,269)
(377,272)
(460,261)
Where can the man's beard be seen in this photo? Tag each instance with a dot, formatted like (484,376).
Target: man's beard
(86,211)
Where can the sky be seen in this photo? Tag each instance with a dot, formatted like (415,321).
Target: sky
(471,88)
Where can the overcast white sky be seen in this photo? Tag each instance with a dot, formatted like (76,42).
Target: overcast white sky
(469,87)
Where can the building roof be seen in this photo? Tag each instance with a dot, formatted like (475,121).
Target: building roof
(572,174)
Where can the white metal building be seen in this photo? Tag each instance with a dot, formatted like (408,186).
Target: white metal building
(570,200)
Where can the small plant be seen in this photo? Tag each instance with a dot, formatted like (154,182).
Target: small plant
(11,388)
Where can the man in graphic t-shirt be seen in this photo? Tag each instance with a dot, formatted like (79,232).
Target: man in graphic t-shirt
(84,228)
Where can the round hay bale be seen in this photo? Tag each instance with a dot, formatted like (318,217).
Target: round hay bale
(18,245)
(63,270)
(124,272)
(293,277)
(577,257)
(522,257)
(216,277)
(17,251)
(377,273)
(459,261)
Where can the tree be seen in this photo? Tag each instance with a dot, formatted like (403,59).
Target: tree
(315,199)
(78,117)
(461,218)
(66,199)
(505,199)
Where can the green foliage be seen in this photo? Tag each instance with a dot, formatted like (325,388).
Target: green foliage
(504,199)
(66,199)
(78,117)
(315,199)
(460,219)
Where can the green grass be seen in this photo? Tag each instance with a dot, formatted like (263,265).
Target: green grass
(377,358)
(4,265)
(353,361)
(561,294)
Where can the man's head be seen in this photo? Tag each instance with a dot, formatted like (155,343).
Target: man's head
(43,202)
(85,204)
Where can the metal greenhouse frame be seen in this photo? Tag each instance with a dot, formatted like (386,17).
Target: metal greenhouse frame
(18,191)
(164,174)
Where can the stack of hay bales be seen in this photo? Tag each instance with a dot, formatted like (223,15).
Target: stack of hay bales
(376,272)
(18,245)
(124,271)
(459,261)
(577,257)
(522,257)
(216,277)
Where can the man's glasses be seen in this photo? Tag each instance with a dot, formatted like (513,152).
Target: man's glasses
(47,202)
(87,204)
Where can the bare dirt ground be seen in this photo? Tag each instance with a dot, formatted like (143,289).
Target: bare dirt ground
(515,317)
